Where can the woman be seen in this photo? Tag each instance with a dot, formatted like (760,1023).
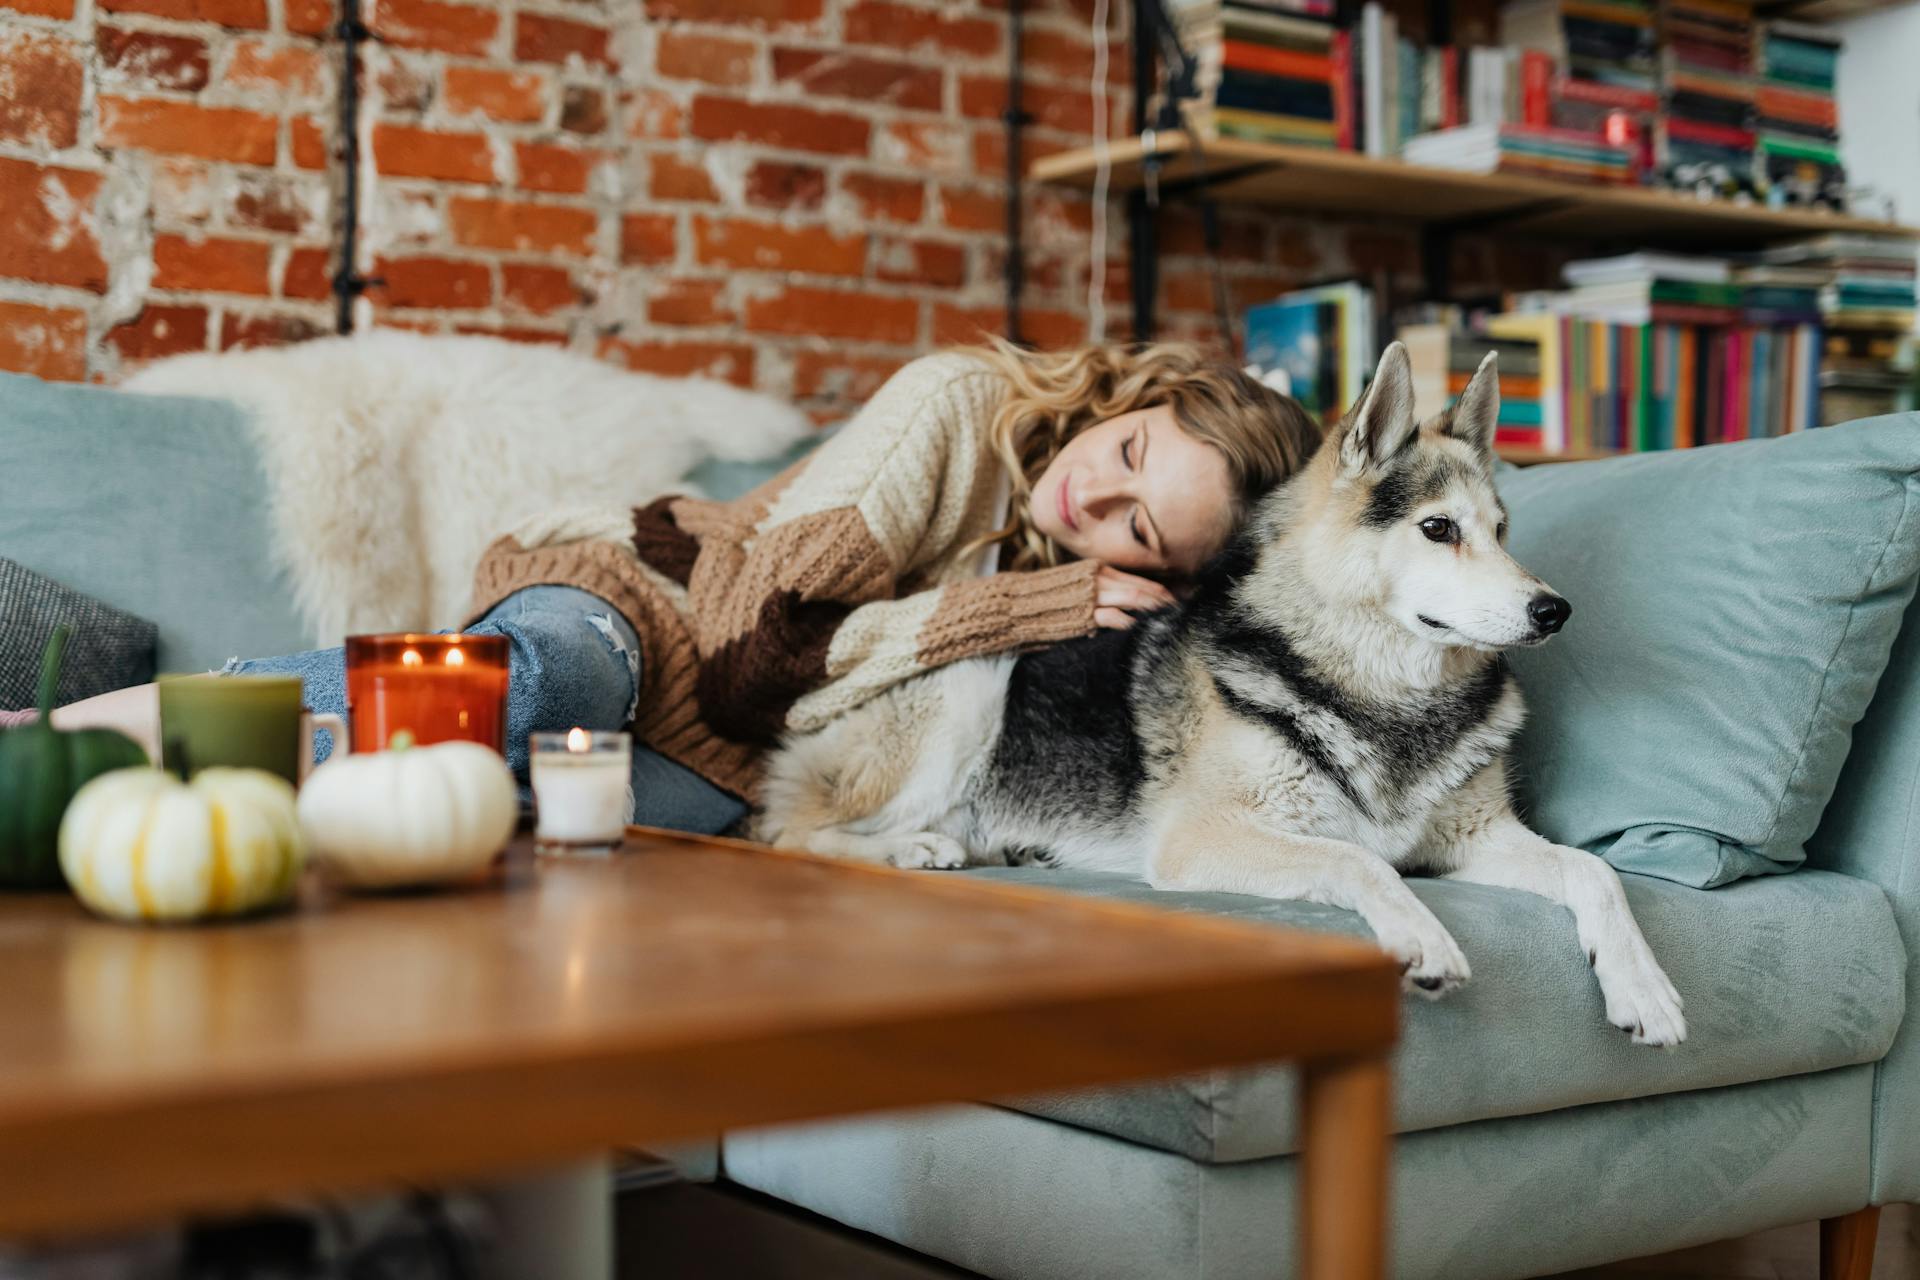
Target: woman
(985,500)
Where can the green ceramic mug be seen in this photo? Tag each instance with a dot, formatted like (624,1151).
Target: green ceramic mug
(247,722)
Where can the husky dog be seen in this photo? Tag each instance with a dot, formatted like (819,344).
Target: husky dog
(1328,710)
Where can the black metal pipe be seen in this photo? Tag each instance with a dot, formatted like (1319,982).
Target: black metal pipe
(1143,264)
(348,284)
(1015,117)
(1143,248)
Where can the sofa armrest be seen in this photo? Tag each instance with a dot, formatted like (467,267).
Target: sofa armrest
(1871,830)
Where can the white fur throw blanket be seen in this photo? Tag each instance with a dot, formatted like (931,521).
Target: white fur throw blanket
(394,458)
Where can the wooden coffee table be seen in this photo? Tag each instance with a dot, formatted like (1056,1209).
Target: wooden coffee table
(684,987)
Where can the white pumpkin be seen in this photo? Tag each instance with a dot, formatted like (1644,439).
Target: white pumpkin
(409,815)
(139,844)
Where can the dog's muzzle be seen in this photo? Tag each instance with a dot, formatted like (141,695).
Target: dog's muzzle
(1548,613)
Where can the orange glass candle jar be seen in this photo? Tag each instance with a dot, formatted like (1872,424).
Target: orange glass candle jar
(437,688)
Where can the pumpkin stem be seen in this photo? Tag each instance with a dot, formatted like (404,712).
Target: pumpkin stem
(401,740)
(50,660)
(176,756)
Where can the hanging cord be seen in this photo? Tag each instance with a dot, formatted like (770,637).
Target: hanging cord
(1102,178)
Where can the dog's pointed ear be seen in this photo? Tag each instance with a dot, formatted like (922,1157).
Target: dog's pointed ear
(1382,423)
(1472,417)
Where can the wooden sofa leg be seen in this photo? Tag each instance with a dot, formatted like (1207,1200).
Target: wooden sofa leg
(1846,1244)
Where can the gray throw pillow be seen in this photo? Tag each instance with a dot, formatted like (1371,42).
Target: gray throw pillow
(109,648)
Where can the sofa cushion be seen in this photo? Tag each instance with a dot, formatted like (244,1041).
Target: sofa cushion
(1733,608)
(155,503)
(1013,1198)
(108,649)
(1781,976)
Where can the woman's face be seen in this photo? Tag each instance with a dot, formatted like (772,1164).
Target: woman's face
(1137,492)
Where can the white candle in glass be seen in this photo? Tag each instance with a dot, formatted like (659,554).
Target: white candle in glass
(580,781)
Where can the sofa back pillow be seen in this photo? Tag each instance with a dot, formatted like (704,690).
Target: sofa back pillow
(156,504)
(1733,609)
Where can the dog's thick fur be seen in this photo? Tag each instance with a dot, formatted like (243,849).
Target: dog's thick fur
(394,458)
(1329,710)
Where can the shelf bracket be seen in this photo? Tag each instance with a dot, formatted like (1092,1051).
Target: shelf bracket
(1200,182)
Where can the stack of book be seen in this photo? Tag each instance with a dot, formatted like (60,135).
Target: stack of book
(1402,91)
(1867,281)
(1866,299)
(1601,55)
(1445,354)
(1395,84)
(1798,147)
(1865,373)
(1630,388)
(1268,70)
(1653,288)
(1321,339)
(1660,351)
(1691,93)
(1523,148)
(1705,132)
(1775,294)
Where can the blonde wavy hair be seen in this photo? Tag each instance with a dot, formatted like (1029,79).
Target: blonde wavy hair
(1263,435)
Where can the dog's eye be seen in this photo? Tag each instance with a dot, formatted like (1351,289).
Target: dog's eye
(1437,529)
(1500,534)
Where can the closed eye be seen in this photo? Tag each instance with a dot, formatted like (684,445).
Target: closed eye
(1133,523)
(1126,452)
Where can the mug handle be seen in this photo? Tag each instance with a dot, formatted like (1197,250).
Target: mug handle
(333,724)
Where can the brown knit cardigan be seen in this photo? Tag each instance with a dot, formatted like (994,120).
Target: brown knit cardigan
(850,572)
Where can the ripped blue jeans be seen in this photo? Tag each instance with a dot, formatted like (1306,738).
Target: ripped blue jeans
(575,661)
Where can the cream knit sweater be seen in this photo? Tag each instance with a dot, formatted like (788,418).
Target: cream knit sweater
(849,573)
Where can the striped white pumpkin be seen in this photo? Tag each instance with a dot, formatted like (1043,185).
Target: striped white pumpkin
(139,844)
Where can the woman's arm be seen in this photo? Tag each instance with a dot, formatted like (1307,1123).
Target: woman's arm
(879,645)
(801,609)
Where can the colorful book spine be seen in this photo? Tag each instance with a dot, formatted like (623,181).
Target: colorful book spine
(1536,88)
(1611,387)
(1341,56)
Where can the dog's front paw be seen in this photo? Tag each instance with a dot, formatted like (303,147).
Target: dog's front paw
(929,850)
(1641,999)
(1431,962)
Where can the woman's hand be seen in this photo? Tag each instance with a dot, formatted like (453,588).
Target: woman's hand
(1118,596)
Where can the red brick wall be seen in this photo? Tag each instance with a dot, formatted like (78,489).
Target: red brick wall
(792,194)
(163,182)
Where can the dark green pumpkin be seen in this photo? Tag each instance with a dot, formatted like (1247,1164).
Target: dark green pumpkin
(40,769)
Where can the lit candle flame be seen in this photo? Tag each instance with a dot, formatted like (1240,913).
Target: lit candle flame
(411,658)
(577,740)
(455,658)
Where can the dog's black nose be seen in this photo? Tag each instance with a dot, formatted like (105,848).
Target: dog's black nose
(1549,613)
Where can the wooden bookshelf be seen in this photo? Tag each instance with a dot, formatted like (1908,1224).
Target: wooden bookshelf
(1314,180)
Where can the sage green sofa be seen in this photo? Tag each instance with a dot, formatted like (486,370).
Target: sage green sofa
(1534,1138)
